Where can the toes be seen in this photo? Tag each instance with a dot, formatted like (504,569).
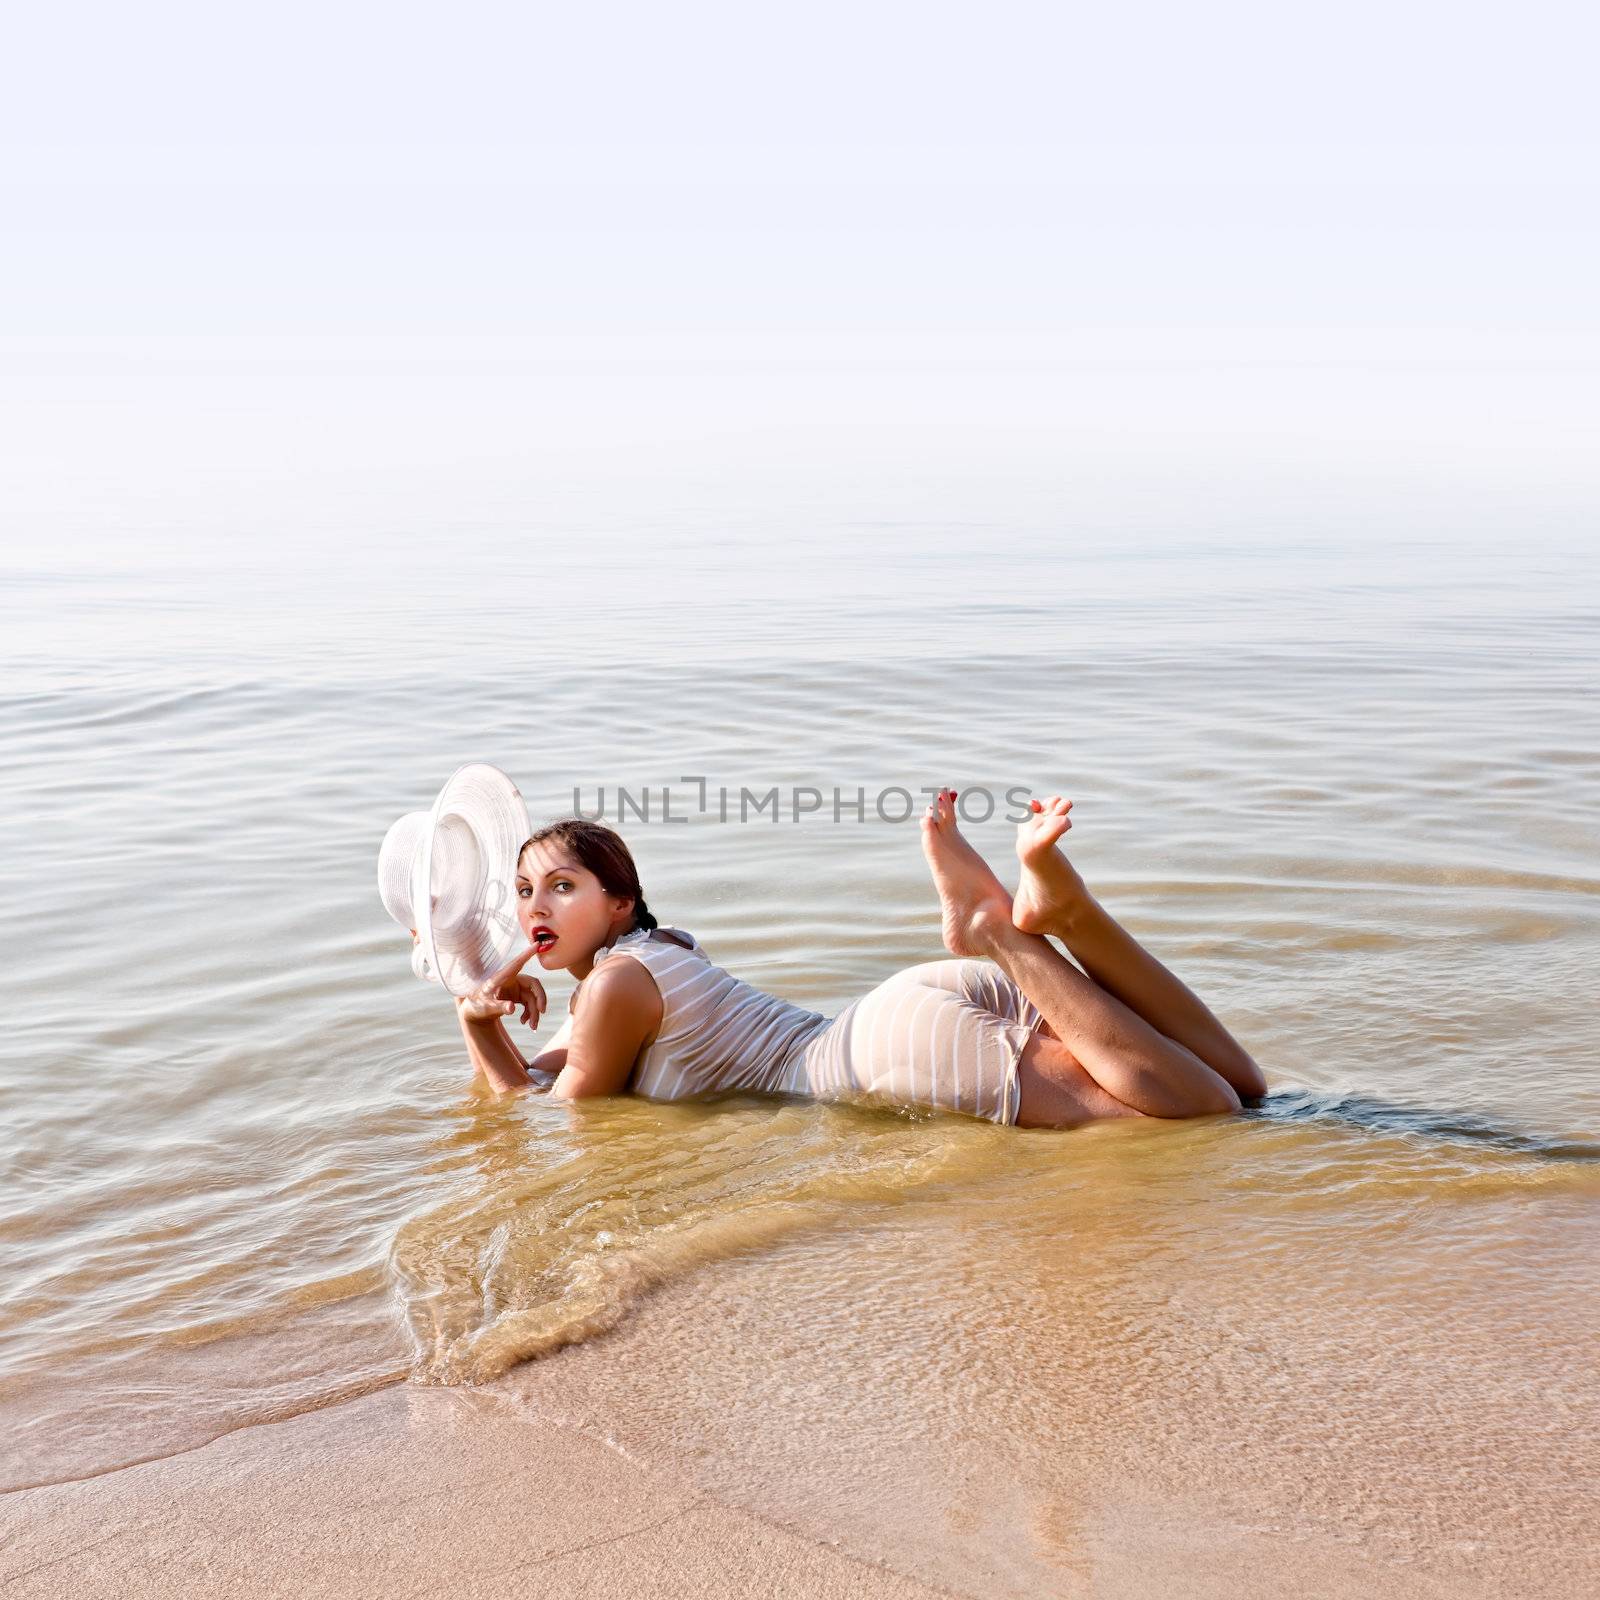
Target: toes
(1054,806)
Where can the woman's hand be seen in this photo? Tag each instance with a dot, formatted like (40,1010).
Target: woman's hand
(510,990)
(503,999)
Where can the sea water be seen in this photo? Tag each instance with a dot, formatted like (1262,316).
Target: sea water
(1338,771)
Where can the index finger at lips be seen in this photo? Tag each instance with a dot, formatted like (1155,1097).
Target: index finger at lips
(513,966)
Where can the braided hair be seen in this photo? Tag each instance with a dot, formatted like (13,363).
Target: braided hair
(601,850)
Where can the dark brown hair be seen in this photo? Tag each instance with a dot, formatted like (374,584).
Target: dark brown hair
(604,854)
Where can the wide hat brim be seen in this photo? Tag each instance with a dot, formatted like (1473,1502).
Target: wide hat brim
(450,873)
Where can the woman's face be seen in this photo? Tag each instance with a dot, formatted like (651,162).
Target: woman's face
(564,910)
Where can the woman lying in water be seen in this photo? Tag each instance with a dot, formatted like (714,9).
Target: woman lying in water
(1009,1029)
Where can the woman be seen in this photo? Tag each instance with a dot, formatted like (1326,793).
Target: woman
(1009,1029)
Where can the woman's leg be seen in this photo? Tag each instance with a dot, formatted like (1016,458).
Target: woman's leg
(1055,1091)
(1053,899)
(1132,1061)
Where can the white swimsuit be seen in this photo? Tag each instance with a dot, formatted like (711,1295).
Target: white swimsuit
(946,1034)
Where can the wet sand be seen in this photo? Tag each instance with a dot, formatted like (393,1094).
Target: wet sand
(416,1492)
(805,1421)
(408,1492)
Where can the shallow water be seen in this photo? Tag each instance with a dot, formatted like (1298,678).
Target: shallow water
(1345,787)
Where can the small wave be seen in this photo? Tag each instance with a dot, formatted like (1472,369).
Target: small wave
(603,1283)
(149,709)
(1447,1126)
(522,1267)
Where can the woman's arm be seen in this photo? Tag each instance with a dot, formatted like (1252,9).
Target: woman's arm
(620,1013)
(492,1051)
(488,1045)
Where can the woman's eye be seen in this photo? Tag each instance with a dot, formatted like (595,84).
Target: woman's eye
(561,883)
(524,892)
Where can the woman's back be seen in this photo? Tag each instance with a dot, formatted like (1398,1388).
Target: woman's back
(717,1032)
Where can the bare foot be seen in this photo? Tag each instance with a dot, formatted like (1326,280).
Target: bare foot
(1051,893)
(973,901)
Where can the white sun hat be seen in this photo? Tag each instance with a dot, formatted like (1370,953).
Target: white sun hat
(450,873)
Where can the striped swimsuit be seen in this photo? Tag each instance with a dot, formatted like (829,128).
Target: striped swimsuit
(947,1034)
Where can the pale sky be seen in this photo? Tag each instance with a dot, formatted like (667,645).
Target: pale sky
(625,224)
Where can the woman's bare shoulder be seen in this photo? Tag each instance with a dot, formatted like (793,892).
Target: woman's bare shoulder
(629,977)
(618,981)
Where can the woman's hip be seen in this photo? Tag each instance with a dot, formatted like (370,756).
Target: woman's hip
(944,1034)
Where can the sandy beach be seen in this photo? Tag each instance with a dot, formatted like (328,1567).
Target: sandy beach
(407,1493)
(720,1442)
(414,1493)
